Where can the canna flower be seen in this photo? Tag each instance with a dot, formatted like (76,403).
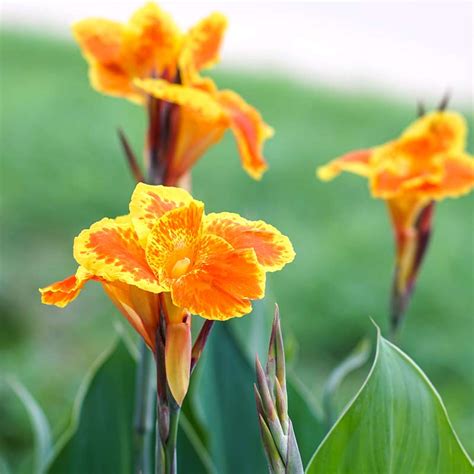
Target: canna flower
(167,257)
(151,62)
(427,163)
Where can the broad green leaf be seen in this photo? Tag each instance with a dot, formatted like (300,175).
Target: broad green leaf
(355,360)
(227,401)
(192,454)
(253,331)
(100,436)
(306,418)
(40,426)
(397,423)
(4,468)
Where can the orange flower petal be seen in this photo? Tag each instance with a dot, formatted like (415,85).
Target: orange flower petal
(273,249)
(222,282)
(178,358)
(102,44)
(250,132)
(113,80)
(436,132)
(355,162)
(457,178)
(63,292)
(153,39)
(110,249)
(99,39)
(202,44)
(173,239)
(149,203)
(140,308)
(200,122)
(194,99)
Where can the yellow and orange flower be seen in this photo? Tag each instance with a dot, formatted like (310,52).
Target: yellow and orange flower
(150,58)
(427,163)
(168,255)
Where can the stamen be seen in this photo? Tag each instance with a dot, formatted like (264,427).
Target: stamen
(180,267)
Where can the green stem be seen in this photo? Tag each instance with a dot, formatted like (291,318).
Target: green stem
(143,416)
(170,450)
(165,449)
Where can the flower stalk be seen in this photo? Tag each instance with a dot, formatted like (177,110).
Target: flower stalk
(278,437)
(411,249)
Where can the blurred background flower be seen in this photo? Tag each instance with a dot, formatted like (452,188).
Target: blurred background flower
(329,78)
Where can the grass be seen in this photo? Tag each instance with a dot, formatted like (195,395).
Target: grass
(62,169)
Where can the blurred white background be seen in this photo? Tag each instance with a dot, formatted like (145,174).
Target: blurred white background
(417,49)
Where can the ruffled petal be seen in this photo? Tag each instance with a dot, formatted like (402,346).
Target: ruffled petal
(222,282)
(63,292)
(103,45)
(100,40)
(112,79)
(250,132)
(273,249)
(434,133)
(357,162)
(110,249)
(202,45)
(174,239)
(457,179)
(154,41)
(149,203)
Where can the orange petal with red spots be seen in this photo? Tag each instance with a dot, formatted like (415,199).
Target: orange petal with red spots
(273,249)
(171,245)
(250,132)
(112,79)
(149,203)
(153,39)
(99,39)
(222,281)
(436,132)
(357,162)
(102,44)
(457,178)
(110,249)
(63,292)
(140,308)
(202,43)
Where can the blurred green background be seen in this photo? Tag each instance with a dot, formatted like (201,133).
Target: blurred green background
(62,169)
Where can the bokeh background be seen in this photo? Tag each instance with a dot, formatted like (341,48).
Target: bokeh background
(329,78)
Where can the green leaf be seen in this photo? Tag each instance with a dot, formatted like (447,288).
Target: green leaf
(100,435)
(397,423)
(227,401)
(253,331)
(355,360)
(192,454)
(39,424)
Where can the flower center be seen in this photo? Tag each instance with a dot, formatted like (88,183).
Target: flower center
(180,267)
